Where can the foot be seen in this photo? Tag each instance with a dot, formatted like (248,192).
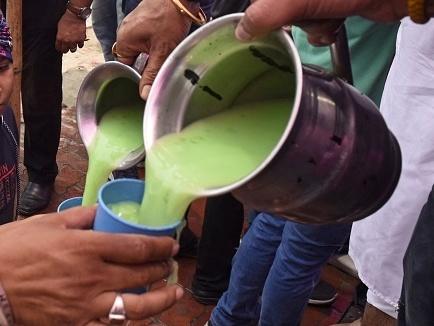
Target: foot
(205,297)
(35,198)
(323,294)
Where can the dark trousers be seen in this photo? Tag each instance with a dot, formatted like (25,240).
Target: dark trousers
(417,298)
(220,237)
(41,88)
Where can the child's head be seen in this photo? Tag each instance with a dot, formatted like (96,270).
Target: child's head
(6,70)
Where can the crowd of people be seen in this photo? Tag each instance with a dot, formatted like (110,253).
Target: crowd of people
(268,278)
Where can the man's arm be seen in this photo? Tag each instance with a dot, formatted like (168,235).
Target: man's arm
(63,274)
(155,27)
(264,16)
(71,29)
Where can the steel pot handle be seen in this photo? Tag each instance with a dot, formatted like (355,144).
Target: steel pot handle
(140,63)
(340,54)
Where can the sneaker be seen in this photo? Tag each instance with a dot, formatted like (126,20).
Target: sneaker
(323,294)
(130,173)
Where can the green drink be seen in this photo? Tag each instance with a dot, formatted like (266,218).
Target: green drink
(127,210)
(119,134)
(211,152)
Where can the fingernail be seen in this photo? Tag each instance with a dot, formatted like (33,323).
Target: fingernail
(241,34)
(145,91)
(179,293)
(175,249)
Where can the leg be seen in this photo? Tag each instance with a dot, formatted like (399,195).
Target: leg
(42,90)
(418,287)
(296,269)
(220,238)
(105,24)
(239,305)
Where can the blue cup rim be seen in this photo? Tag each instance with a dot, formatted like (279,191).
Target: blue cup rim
(67,201)
(131,224)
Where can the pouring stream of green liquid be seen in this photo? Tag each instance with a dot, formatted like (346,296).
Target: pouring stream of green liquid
(212,152)
(119,134)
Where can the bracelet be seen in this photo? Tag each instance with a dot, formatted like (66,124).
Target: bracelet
(416,11)
(200,19)
(6,317)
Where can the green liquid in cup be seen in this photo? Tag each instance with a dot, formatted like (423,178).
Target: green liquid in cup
(127,210)
(120,132)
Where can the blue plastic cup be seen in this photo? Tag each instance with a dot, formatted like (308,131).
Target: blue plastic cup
(120,190)
(69,203)
(106,221)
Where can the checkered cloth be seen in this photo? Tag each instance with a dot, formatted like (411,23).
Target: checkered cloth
(5,39)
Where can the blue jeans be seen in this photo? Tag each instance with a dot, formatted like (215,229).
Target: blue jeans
(106,16)
(281,260)
(129,5)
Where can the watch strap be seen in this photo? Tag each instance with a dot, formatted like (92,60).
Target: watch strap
(76,10)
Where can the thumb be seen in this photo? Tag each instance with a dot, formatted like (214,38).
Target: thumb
(155,61)
(77,217)
(255,21)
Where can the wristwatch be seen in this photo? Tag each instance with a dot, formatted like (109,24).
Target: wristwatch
(81,12)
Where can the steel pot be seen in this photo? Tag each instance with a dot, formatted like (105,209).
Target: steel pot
(108,85)
(336,161)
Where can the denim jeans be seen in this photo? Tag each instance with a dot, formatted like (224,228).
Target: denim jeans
(129,5)
(281,260)
(106,16)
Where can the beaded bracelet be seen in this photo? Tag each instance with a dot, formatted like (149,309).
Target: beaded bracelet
(416,11)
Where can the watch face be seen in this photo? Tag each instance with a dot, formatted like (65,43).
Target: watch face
(85,13)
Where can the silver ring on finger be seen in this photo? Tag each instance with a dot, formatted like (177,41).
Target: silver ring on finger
(117,312)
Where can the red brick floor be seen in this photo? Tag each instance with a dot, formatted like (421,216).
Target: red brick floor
(72,161)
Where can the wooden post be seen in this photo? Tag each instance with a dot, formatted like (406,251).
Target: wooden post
(14,11)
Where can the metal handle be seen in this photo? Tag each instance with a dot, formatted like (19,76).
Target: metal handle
(140,63)
(340,54)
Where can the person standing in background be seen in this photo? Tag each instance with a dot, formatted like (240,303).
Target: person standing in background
(49,30)
(378,243)
(106,17)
